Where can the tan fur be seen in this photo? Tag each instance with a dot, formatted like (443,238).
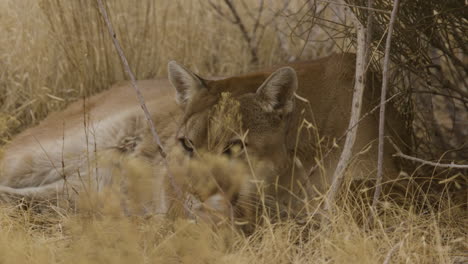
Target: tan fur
(263,112)
(58,157)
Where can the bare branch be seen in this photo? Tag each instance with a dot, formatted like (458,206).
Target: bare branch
(219,12)
(355,6)
(141,100)
(383,95)
(237,20)
(358,92)
(430,163)
(252,26)
(451,165)
(280,34)
(258,18)
(247,9)
(369,27)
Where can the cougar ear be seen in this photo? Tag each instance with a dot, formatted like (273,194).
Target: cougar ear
(277,92)
(184,81)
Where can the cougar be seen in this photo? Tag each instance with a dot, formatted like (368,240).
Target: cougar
(234,144)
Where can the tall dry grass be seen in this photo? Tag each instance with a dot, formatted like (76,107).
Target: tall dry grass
(54,51)
(403,235)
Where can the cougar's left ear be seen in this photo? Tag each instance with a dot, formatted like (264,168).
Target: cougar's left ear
(186,83)
(277,92)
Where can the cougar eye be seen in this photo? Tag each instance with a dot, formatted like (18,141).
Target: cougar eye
(234,148)
(186,144)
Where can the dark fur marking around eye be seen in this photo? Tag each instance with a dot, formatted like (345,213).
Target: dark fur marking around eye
(186,144)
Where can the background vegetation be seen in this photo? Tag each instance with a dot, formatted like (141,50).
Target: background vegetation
(53,52)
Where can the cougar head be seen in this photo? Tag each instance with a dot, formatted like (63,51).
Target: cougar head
(241,123)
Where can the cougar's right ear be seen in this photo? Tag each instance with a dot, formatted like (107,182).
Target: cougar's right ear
(184,81)
(277,91)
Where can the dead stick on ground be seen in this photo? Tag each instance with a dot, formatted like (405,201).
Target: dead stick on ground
(378,187)
(355,112)
(130,74)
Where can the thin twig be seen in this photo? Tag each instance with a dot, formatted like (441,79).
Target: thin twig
(249,39)
(141,100)
(400,154)
(356,6)
(219,12)
(369,27)
(258,18)
(253,35)
(358,92)
(431,163)
(383,95)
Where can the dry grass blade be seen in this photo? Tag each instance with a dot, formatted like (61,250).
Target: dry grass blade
(426,162)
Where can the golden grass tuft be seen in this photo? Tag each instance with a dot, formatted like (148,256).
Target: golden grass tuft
(109,237)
